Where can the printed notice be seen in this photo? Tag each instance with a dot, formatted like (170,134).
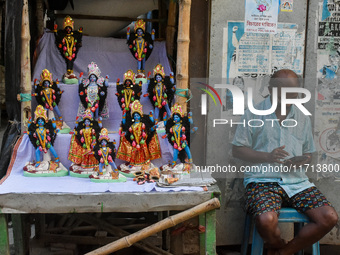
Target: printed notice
(327,94)
(261,16)
(249,54)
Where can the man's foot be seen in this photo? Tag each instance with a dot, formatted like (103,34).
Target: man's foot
(280,246)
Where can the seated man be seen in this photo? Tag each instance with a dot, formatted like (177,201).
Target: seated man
(269,146)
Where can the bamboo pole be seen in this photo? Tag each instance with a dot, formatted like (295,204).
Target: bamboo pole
(157,227)
(171,28)
(25,83)
(183,41)
(116,231)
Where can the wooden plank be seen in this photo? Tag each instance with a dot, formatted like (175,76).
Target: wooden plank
(162,15)
(71,229)
(201,221)
(113,202)
(171,29)
(210,228)
(39,12)
(4,241)
(75,227)
(166,234)
(97,17)
(20,234)
(83,240)
(40,224)
(62,221)
(198,69)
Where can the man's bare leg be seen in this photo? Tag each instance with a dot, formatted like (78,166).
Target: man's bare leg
(323,219)
(267,226)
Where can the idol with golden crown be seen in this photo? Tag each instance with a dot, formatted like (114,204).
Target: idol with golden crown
(140,45)
(68,43)
(48,94)
(83,140)
(128,91)
(139,142)
(105,153)
(42,133)
(178,131)
(93,93)
(161,90)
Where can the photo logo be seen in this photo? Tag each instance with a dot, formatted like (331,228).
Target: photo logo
(204,97)
(240,103)
(239,100)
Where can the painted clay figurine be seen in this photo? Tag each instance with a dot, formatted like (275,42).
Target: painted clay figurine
(129,91)
(161,90)
(139,141)
(42,133)
(93,92)
(68,43)
(105,153)
(140,44)
(48,94)
(178,133)
(81,148)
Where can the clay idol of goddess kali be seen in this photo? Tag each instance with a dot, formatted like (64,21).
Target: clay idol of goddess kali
(139,142)
(68,43)
(42,133)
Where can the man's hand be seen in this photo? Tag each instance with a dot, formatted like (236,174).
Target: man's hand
(299,160)
(277,155)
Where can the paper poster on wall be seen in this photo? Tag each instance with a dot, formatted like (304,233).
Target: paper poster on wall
(287,5)
(261,16)
(327,137)
(250,58)
(254,54)
(327,129)
(327,105)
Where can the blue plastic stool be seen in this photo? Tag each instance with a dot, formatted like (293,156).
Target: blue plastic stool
(286,215)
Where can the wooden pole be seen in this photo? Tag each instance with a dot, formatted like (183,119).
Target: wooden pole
(157,227)
(162,17)
(116,231)
(171,28)
(40,16)
(25,83)
(183,41)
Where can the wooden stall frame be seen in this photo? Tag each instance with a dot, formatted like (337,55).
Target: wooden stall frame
(25,67)
(183,42)
(182,77)
(157,227)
